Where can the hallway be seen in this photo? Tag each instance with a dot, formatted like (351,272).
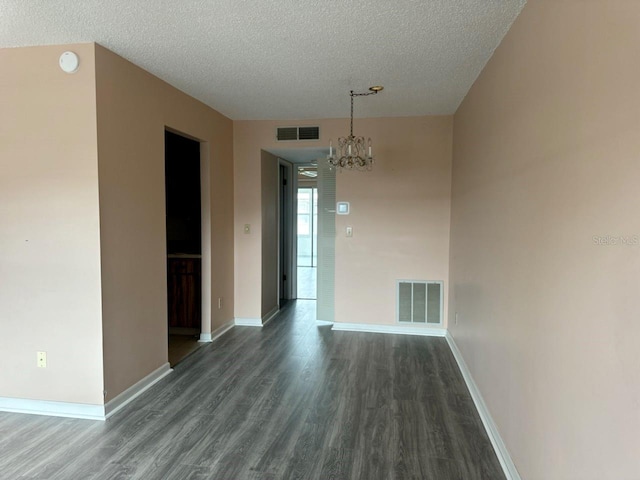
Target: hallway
(289,400)
(307,283)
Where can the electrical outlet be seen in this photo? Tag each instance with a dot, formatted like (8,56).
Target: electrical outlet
(42,359)
(349,231)
(219,302)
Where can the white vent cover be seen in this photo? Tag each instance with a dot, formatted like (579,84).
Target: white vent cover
(284,134)
(420,302)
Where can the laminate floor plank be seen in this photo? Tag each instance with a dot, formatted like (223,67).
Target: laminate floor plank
(291,400)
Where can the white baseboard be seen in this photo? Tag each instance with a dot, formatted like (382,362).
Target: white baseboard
(248,322)
(53,409)
(499,447)
(257,322)
(270,316)
(323,323)
(390,329)
(82,410)
(218,332)
(205,337)
(134,391)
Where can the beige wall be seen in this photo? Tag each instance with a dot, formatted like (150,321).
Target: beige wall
(247,205)
(133,109)
(400,217)
(546,150)
(82,185)
(270,174)
(400,212)
(49,230)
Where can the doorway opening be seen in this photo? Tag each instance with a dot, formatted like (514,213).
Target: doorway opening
(184,245)
(309,260)
(307,233)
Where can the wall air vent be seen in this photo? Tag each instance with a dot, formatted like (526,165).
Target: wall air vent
(285,134)
(420,302)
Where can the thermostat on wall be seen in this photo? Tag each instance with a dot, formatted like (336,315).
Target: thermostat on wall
(69,62)
(342,208)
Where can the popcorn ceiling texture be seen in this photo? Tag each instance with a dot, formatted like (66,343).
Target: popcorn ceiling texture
(262,59)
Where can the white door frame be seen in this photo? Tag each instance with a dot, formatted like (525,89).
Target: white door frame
(205,233)
(205,242)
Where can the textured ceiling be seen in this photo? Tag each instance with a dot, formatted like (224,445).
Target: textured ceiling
(285,59)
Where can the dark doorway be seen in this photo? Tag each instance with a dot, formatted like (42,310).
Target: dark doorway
(184,249)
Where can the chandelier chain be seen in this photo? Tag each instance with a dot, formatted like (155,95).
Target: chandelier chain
(357,95)
(351,113)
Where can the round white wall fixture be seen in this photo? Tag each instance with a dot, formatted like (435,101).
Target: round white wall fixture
(69,62)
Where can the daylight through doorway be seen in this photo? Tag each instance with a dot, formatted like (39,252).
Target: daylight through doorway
(307,260)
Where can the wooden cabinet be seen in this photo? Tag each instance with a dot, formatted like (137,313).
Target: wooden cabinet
(184,292)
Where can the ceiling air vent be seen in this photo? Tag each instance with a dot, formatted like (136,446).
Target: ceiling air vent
(284,134)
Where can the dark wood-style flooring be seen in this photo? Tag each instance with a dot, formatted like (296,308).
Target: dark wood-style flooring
(290,400)
(180,347)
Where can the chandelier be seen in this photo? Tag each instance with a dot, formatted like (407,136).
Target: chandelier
(353,153)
